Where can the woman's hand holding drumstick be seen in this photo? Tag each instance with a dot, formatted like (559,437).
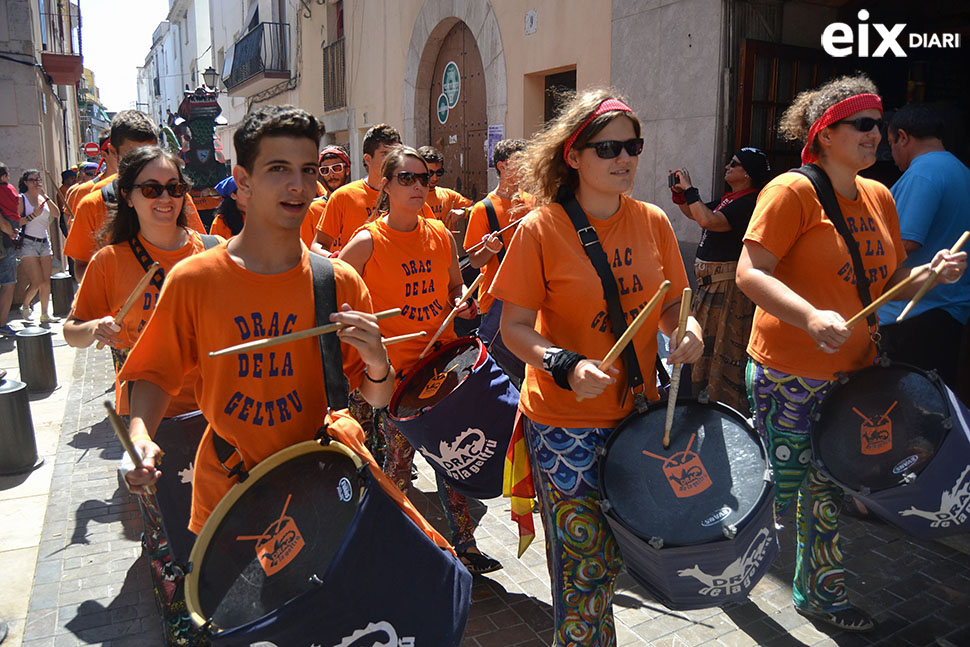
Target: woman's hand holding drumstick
(130,302)
(675,378)
(469,291)
(144,470)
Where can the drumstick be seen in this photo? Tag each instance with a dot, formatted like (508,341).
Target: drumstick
(295,336)
(632,329)
(934,274)
(122,433)
(451,315)
(675,378)
(133,297)
(482,244)
(878,303)
(387,341)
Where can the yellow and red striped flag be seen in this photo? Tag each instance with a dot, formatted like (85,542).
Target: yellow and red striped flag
(517,485)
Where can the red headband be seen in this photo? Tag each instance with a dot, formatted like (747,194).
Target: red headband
(609,105)
(333,150)
(838,112)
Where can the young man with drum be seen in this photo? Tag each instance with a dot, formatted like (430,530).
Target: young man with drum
(554,319)
(256,285)
(411,262)
(797,269)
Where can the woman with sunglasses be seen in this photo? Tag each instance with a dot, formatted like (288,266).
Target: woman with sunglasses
(797,269)
(36,211)
(554,318)
(411,262)
(723,311)
(148,224)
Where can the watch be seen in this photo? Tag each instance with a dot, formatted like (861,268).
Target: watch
(549,357)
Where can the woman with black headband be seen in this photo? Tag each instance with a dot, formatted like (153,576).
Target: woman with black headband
(797,269)
(722,310)
(555,319)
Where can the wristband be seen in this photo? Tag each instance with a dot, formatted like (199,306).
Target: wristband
(562,364)
(383,379)
(139,437)
(692,195)
(678,197)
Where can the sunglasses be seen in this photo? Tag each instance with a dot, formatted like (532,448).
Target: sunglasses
(439,172)
(407,178)
(152,190)
(333,168)
(611,148)
(862,124)
(32,180)
(734,163)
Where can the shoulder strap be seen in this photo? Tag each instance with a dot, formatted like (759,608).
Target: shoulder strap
(493,224)
(146,260)
(209,241)
(594,250)
(325,303)
(830,206)
(109,192)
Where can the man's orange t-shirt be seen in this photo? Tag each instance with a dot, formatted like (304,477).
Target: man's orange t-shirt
(410,271)
(81,242)
(814,262)
(478,228)
(441,201)
(112,275)
(308,228)
(348,209)
(78,191)
(259,401)
(546,270)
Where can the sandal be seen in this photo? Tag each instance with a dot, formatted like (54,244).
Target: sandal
(850,619)
(479,563)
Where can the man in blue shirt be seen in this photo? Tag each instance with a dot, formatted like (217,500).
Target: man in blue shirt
(933,201)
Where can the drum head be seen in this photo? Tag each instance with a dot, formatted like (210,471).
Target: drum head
(712,476)
(438,375)
(272,533)
(883,423)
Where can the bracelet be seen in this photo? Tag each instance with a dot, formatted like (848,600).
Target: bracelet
(386,375)
(692,195)
(139,437)
(562,364)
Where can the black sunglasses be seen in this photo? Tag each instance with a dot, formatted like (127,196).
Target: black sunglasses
(439,172)
(734,163)
(862,124)
(152,190)
(611,148)
(407,178)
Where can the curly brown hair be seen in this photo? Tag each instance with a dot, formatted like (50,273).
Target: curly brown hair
(809,105)
(543,170)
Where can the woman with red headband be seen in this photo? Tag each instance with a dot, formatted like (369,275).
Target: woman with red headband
(555,319)
(797,269)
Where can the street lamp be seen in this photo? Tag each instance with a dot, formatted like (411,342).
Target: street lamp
(210,77)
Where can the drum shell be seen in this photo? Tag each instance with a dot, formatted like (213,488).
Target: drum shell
(482,406)
(387,578)
(179,438)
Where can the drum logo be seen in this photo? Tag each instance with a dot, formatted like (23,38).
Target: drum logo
(279,544)
(433,384)
(876,435)
(954,505)
(376,634)
(740,575)
(344,490)
(465,456)
(685,472)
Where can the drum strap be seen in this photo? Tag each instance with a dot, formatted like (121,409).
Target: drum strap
(830,205)
(594,250)
(493,224)
(146,260)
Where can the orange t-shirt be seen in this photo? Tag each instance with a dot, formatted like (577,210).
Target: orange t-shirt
(308,228)
(78,191)
(81,242)
(112,275)
(546,270)
(478,228)
(814,261)
(441,201)
(410,271)
(220,228)
(348,209)
(259,401)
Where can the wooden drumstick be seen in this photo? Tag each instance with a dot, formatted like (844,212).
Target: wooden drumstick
(133,297)
(881,301)
(387,341)
(295,336)
(503,229)
(121,431)
(632,329)
(934,274)
(675,378)
(469,291)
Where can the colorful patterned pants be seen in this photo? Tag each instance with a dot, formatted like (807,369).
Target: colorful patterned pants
(581,552)
(364,414)
(397,465)
(782,404)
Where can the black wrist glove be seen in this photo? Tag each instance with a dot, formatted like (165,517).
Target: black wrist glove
(562,364)
(692,195)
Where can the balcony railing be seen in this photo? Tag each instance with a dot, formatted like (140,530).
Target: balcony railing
(60,32)
(334,76)
(260,54)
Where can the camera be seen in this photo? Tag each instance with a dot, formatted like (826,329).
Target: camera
(672,180)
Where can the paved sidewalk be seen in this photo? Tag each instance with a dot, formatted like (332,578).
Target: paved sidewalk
(92,587)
